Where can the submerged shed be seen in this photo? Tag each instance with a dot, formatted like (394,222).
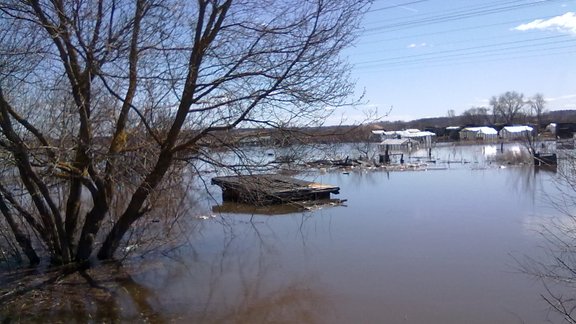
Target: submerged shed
(478,133)
(402,144)
(423,138)
(265,189)
(516,132)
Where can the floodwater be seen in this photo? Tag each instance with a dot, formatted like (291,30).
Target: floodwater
(433,246)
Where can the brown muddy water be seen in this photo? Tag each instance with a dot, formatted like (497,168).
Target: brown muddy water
(434,246)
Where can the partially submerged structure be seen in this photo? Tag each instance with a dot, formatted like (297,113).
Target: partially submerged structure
(482,133)
(545,159)
(453,132)
(516,132)
(416,136)
(401,144)
(565,130)
(265,189)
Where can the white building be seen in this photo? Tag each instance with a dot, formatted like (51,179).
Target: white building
(551,128)
(516,132)
(478,133)
(395,144)
(417,136)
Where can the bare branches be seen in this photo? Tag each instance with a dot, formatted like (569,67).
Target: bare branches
(507,106)
(116,93)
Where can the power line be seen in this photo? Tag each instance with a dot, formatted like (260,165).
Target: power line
(456,15)
(466,58)
(379,69)
(551,45)
(447,31)
(458,9)
(449,52)
(397,6)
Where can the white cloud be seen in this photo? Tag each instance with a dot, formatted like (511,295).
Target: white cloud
(564,97)
(567,101)
(414,45)
(564,24)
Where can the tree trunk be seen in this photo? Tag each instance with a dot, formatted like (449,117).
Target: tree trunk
(133,211)
(22,239)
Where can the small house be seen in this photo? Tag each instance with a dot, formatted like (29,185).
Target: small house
(398,144)
(565,130)
(516,132)
(416,136)
(453,132)
(478,133)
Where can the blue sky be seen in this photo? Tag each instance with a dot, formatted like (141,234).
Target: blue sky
(425,57)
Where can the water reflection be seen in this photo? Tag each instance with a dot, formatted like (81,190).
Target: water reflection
(555,264)
(411,247)
(238,278)
(276,209)
(107,293)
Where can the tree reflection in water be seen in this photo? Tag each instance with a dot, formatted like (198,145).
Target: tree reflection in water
(105,293)
(241,280)
(234,281)
(556,266)
(383,257)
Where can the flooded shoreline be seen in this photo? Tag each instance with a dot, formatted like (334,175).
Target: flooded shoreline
(436,246)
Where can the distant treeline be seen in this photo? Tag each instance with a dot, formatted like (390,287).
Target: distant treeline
(557,116)
(362,133)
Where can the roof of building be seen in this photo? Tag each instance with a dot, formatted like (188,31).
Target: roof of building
(517,129)
(483,130)
(395,141)
(418,133)
(413,132)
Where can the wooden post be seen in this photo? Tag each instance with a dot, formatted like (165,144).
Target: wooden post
(387,155)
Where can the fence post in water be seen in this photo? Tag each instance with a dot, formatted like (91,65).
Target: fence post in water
(386,157)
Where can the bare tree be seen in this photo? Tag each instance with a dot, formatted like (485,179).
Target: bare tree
(507,106)
(102,101)
(555,267)
(476,116)
(537,107)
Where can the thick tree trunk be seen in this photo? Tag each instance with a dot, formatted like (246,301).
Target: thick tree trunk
(90,230)
(133,211)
